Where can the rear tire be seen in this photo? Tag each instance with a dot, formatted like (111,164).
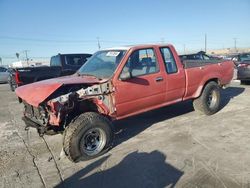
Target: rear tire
(87,136)
(243,82)
(209,101)
(12,87)
(12,83)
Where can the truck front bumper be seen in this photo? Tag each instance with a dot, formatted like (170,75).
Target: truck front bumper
(30,123)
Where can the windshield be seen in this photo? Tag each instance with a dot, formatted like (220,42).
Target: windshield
(102,64)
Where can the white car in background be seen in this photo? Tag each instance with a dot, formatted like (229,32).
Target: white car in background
(4,75)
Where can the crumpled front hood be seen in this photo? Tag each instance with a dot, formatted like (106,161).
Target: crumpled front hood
(37,92)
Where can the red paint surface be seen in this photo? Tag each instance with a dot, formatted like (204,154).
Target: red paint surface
(37,92)
(142,93)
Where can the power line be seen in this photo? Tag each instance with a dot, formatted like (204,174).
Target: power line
(45,40)
(60,41)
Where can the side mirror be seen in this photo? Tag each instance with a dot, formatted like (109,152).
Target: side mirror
(125,76)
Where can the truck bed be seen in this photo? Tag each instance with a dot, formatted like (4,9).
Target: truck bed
(198,72)
(32,74)
(198,63)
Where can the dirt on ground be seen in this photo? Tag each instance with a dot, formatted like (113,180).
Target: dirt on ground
(170,147)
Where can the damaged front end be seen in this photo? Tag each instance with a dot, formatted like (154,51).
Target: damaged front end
(54,114)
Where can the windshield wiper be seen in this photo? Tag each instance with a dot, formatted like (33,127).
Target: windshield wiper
(90,75)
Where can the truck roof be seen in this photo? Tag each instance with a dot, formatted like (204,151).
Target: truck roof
(73,54)
(127,47)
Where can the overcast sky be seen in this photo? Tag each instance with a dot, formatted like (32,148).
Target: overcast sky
(48,27)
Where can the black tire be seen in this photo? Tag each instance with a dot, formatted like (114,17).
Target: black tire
(209,101)
(244,82)
(12,87)
(12,83)
(83,129)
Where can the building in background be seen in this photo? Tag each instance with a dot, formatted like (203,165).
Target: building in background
(229,51)
(31,63)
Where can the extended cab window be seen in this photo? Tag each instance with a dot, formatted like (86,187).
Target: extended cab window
(141,62)
(169,60)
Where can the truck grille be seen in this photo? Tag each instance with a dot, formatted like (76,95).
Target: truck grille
(28,110)
(35,114)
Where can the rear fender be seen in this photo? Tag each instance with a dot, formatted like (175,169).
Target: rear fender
(202,86)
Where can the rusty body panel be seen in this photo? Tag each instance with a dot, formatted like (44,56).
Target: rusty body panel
(99,94)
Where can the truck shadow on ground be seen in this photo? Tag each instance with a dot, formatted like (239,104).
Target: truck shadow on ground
(135,170)
(130,127)
(229,93)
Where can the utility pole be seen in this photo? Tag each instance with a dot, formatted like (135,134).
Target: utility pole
(26,55)
(235,47)
(184,48)
(205,42)
(1,63)
(98,43)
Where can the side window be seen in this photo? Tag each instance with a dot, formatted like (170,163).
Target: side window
(141,62)
(3,69)
(169,60)
(73,60)
(55,61)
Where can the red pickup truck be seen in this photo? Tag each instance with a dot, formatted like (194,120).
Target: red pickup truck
(117,83)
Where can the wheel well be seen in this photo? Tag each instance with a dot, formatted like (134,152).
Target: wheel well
(83,107)
(199,92)
(212,80)
(80,108)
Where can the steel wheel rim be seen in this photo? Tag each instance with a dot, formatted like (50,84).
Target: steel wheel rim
(93,141)
(212,99)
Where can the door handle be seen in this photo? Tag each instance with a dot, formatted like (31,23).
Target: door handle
(201,68)
(159,79)
(219,64)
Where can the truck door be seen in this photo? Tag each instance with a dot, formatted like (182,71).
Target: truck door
(175,76)
(145,87)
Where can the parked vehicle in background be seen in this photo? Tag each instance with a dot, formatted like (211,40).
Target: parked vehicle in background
(198,56)
(60,65)
(4,75)
(240,58)
(243,72)
(117,83)
(12,80)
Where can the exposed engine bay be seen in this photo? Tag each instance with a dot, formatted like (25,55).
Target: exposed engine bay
(69,101)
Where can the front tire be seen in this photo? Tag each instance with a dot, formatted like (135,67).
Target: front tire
(209,101)
(12,87)
(87,136)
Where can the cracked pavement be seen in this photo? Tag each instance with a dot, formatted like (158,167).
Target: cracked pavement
(171,146)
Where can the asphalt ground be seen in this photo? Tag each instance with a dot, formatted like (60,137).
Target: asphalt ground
(172,146)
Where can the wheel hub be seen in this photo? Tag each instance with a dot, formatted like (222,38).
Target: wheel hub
(212,97)
(93,141)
